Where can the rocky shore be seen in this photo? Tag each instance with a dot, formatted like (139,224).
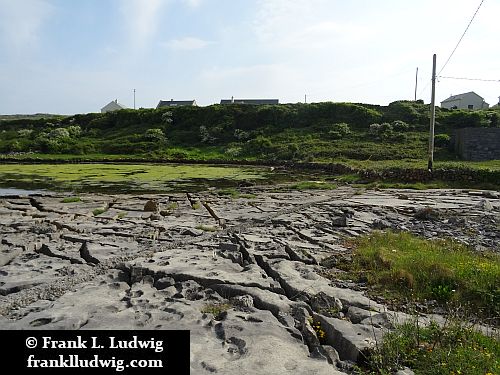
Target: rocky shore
(244,275)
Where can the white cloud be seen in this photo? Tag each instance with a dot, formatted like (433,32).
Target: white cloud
(21,21)
(187,44)
(142,19)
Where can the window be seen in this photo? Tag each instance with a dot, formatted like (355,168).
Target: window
(470,106)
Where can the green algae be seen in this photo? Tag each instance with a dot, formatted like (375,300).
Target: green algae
(125,177)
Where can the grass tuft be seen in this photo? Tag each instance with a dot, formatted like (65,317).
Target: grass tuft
(98,211)
(454,348)
(206,228)
(402,265)
(71,200)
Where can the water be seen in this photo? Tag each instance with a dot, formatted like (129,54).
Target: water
(14,191)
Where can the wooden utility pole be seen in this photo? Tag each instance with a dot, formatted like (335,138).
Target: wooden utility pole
(433,115)
(416,83)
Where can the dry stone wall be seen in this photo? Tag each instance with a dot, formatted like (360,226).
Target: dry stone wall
(477,143)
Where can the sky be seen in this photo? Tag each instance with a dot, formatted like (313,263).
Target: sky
(69,56)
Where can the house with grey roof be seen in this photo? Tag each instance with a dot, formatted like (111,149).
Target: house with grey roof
(468,100)
(112,106)
(176,103)
(249,101)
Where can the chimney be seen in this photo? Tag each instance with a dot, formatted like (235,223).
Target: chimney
(171,100)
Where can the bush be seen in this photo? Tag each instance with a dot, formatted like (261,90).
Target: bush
(400,126)
(442,140)
(260,144)
(339,130)
(24,132)
(154,135)
(74,131)
(59,134)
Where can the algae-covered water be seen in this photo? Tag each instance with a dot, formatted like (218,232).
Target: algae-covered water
(127,177)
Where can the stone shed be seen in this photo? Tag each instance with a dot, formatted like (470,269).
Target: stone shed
(477,144)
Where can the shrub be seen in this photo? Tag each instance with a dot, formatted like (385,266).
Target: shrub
(400,126)
(442,140)
(339,130)
(74,131)
(24,132)
(205,136)
(260,144)
(155,135)
(241,135)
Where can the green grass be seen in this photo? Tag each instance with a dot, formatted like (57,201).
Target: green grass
(172,206)
(455,348)
(98,211)
(206,228)
(248,196)
(215,308)
(404,266)
(71,200)
(229,192)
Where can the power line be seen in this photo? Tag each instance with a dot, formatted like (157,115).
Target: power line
(454,49)
(471,79)
(460,40)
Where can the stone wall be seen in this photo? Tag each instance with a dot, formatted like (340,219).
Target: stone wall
(477,143)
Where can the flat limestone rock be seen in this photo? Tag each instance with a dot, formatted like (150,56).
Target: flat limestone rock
(243,285)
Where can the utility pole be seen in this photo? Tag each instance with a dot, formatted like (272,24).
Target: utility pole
(433,115)
(416,83)
(134,98)
(305,98)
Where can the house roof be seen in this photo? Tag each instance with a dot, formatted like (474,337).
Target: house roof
(114,104)
(460,96)
(175,103)
(249,101)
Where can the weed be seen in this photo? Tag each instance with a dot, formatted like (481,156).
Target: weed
(172,206)
(121,215)
(71,200)
(206,228)
(196,205)
(216,309)
(248,196)
(320,333)
(98,211)
(231,192)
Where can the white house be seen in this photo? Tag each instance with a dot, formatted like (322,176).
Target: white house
(468,100)
(112,106)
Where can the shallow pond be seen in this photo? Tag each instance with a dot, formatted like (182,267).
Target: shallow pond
(130,177)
